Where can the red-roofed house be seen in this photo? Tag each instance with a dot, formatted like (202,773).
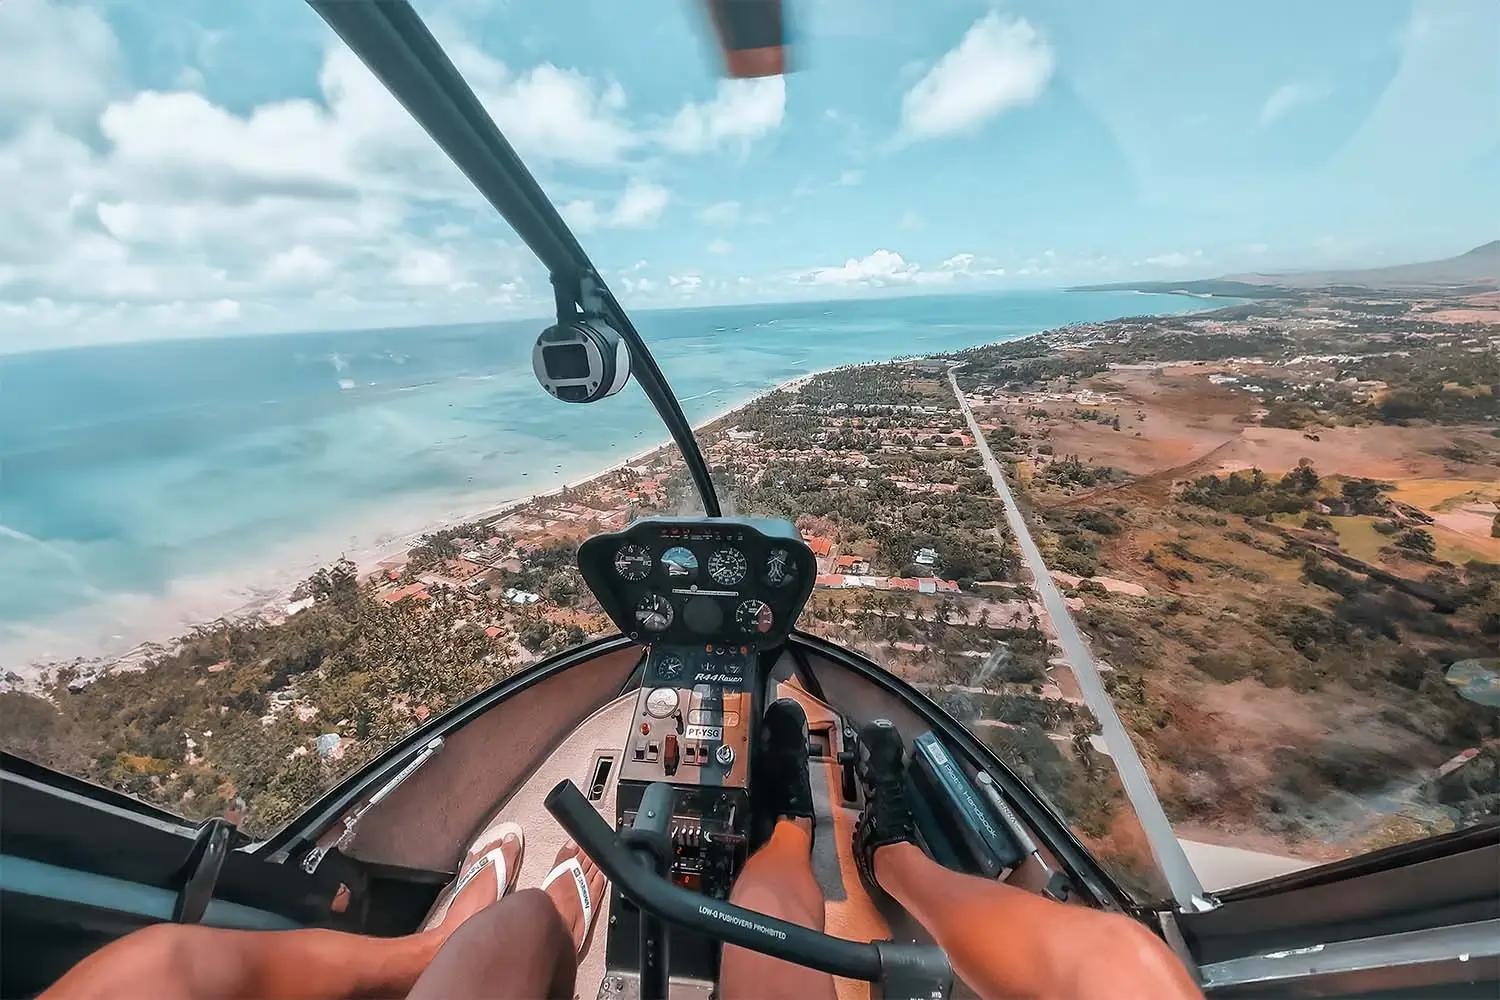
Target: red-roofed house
(820,546)
(416,591)
(852,564)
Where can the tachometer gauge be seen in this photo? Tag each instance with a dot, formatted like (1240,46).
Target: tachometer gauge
(679,563)
(633,562)
(654,612)
(661,703)
(669,667)
(754,616)
(780,570)
(727,566)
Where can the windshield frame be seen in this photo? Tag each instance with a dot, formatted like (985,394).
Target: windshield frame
(396,46)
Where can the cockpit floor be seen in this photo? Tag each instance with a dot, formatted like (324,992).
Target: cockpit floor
(850,913)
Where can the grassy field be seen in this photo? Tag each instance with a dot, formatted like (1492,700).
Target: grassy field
(1439,494)
(1358,537)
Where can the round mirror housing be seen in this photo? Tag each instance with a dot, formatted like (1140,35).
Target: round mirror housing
(581,360)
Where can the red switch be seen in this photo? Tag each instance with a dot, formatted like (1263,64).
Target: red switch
(670,755)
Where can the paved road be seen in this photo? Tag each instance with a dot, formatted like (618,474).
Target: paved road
(1187,891)
(1221,867)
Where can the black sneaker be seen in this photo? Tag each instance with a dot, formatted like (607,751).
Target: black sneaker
(886,816)
(782,778)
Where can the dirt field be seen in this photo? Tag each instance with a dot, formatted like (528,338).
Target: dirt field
(1248,742)
(1475,309)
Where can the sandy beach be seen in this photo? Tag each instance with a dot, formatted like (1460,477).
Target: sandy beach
(97,642)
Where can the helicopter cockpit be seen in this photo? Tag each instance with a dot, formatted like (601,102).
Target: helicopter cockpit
(714,601)
(644,746)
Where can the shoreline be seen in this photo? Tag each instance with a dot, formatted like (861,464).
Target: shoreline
(267,597)
(248,588)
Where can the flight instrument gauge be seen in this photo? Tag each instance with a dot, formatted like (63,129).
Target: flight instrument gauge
(633,562)
(779,570)
(669,667)
(754,616)
(727,566)
(654,613)
(679,563)
(661,703)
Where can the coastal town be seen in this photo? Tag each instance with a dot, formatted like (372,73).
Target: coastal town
(1253,513)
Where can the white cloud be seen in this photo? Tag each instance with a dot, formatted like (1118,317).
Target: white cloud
(740,112)
(298,265)
(1286,98)
(582,215)
(883,267)
(223,310)
(851,178)
(1001,63)
(640,205)
(721,213)
(286,147)
(156,212)
(61,61)
(686,284)
(561,114)
(721,247)
(889,269)
(422,267)
(1176,259)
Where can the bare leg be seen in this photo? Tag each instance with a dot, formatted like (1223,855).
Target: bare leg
(183,962)
(525,947)
(777,881)
(517,948)
(1006,942)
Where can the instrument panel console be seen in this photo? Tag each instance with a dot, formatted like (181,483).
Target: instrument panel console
(706,596)
(696,580)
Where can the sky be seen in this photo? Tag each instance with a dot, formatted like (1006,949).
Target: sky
(196,168)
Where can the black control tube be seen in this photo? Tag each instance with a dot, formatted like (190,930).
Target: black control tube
(711,917)
(650,840)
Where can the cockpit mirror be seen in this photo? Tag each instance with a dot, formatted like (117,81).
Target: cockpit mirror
(581,360)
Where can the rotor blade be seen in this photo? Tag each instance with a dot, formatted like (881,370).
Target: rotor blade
(752,36)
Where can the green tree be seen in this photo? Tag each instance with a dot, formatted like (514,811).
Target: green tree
(1417,540)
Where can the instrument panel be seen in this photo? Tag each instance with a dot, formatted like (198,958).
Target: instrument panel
(684,580)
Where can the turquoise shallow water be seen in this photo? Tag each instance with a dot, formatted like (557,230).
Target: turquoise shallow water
(146,485)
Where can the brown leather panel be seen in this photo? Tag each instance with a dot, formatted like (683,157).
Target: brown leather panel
(429,821)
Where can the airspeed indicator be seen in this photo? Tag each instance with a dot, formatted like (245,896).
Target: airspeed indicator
(633,562)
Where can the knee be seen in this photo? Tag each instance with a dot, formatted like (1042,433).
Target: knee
(167,945)
(165,952)
(530,912)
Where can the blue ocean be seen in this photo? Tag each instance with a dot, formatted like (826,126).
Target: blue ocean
(146,486)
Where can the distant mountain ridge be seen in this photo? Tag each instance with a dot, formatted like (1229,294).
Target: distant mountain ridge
(1479,266)
(1475,271)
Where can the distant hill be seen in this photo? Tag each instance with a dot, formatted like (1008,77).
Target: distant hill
(1480,266)
(1477,270)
